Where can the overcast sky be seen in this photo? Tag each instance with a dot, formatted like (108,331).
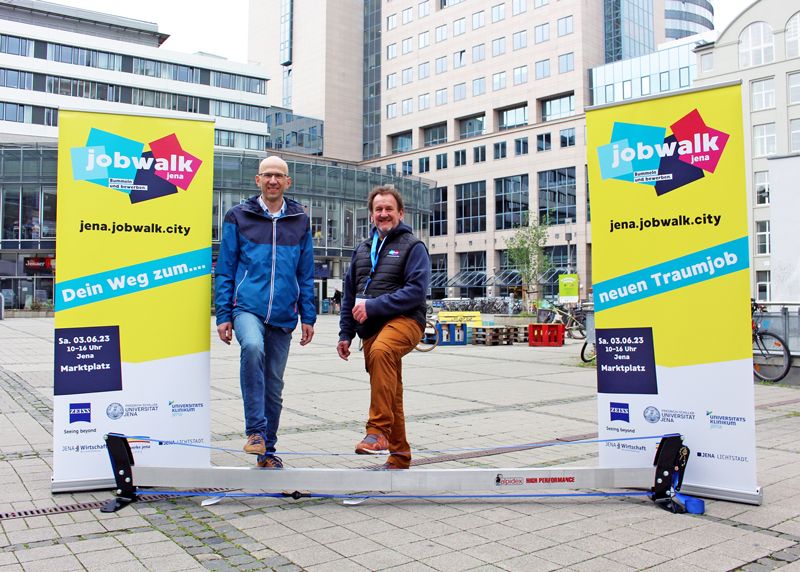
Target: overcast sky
(220,26)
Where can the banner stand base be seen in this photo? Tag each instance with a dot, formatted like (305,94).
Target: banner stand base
(663,484)
(745,497)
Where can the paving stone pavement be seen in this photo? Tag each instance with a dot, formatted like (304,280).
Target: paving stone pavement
(455,397)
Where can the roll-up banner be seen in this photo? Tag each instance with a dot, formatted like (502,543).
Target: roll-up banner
(671,286)
(132,293)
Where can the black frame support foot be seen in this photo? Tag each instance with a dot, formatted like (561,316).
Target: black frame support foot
(119,452)
(670,463)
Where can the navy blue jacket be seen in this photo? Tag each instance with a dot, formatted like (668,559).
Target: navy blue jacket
(266,266)
(384,303)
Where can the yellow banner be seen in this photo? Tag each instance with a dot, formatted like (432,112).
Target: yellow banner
(471,318)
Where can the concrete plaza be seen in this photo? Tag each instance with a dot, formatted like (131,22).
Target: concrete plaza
(456,398)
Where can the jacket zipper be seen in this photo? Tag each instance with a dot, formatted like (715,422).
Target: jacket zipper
(274,261)
(236,292)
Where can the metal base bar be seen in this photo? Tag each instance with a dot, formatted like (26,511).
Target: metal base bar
(745,497)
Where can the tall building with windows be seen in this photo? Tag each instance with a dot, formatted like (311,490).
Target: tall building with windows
(53,56)
(687,18)
(487,99)
(761,48)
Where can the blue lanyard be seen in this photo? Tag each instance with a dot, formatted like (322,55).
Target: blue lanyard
(374,253)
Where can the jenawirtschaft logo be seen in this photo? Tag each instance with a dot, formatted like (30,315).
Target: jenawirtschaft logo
(619,412)
(122,164)
(80,412)
(645,155)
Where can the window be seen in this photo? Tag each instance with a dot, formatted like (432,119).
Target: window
(407,106)
(567,137)
(478,20)
(500,150)
(498,12)
(459,59)
(479,53)
(391,111)
(406,46)
(793,36)
(518,7)
(441,33)
(459,26)
(564,26)
(459,91)
(401,142)
(407,75)
(406,168)
(438,211)
(510,201)
(520,75)
(762,237)
(441,161)
(763,140)
(543,142)
(471,126)
(794,88)
(706,62)
(763,290)
(542,69)
(557,195)
(471,207)
(391,81)
(627,89)
(408,15)
(424,164)
(499,46)
(541,33)
(441,96)
(441,64)
(22,47)
(423,70)
(663,81)
(756,45)
(794,135)
(391,51)
(539,3)
(479,154)
(435,134)
(472,273)
(391,169)
(513,117)
(558,107)
(519,40)
(424,101)
(521,146)
(424,8)
(499,81)
(478,86)
(761,185)
(24,80)
(566,63)
(460,157)
(423,39)
(646,85)
(391,21)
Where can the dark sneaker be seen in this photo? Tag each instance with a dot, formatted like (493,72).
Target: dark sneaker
(388,466)
(269,462)
(371,444)
(255,444)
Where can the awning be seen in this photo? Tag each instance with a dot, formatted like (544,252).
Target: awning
(468,279)
(438,279)
(506,278)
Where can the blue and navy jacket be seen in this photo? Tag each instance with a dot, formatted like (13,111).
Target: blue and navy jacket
(266,266)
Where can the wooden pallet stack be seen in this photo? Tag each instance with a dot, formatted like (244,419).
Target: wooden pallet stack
(519,334)
(491,336)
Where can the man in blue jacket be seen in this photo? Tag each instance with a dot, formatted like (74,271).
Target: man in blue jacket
(264,276)
(384,303)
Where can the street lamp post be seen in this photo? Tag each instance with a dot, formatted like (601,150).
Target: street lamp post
(568,236)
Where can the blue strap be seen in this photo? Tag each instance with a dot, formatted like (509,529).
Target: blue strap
(374,254)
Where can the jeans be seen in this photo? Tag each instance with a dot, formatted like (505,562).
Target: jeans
(264,351)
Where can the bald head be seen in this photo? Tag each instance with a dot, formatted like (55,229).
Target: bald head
(273,180)
(275,163)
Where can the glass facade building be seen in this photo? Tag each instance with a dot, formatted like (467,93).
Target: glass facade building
(629,28)
(334,194)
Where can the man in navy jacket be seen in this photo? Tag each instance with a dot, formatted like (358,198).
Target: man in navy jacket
(384,303)
(264,278)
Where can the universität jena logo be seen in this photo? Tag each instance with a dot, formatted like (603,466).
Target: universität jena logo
(123,165)
(646,155)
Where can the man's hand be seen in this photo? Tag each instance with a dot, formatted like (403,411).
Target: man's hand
(225,332)
(360,311)
(308,333)
(343,349)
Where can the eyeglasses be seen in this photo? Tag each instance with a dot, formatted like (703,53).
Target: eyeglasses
(268,176)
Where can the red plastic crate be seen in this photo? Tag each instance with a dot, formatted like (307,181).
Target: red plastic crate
(545,334)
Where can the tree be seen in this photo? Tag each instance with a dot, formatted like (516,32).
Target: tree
(526,254)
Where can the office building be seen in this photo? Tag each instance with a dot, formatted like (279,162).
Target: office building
(687,18)
(761,48)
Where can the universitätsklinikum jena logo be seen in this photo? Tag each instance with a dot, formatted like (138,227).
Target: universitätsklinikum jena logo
(646,155)
(123,164)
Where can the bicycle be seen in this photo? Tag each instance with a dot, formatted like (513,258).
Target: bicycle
(769,350)
(574,322)
(588,352)
(430,337)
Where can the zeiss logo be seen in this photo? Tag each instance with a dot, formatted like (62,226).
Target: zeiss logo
(80,412)
(620,412)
